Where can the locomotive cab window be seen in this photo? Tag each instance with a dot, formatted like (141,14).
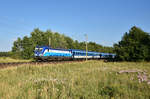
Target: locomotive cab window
(38,49)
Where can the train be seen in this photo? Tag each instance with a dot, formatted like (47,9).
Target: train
(46,53)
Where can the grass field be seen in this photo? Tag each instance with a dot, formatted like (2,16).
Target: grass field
(8,59)
(78,80)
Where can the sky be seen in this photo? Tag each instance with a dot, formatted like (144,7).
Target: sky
(104,21)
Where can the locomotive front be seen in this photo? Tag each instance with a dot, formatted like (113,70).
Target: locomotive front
(38,53)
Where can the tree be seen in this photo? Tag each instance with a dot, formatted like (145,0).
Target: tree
(134,46)
(27,48)
(70,43)
(17,48)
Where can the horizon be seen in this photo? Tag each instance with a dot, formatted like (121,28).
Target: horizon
(104,22)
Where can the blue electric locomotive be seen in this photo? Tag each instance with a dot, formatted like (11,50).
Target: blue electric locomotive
(48,53)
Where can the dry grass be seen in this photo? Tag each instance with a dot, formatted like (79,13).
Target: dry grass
(83,80)
(8,59)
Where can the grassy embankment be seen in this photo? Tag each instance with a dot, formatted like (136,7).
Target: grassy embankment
(8,59)
(84,80)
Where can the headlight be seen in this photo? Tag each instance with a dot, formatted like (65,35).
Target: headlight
(40,54)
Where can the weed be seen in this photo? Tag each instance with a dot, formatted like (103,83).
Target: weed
(83,80)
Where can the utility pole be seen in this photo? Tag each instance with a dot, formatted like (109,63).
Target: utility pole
(49,41)
(86,37)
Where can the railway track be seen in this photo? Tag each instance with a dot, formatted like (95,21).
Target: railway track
(15,64)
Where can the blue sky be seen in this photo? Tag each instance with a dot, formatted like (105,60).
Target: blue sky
(104,21)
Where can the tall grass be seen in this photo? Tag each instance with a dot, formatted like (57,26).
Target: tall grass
(79,80)
(8,59)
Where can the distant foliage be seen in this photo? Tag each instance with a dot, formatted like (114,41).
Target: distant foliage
(5,54)
(134,46)
(23,48)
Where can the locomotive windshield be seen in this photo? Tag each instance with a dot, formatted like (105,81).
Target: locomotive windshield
(38,49)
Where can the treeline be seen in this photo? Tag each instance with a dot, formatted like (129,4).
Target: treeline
(134,46)
(23,48)
(5,54)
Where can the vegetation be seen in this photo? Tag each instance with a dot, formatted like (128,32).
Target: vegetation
(23,48)
(134,46)
(78,80)
(5,54)
(9,59)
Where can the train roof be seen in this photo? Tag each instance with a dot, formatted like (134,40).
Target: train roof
(108,54)
(77,50)
(48,47)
